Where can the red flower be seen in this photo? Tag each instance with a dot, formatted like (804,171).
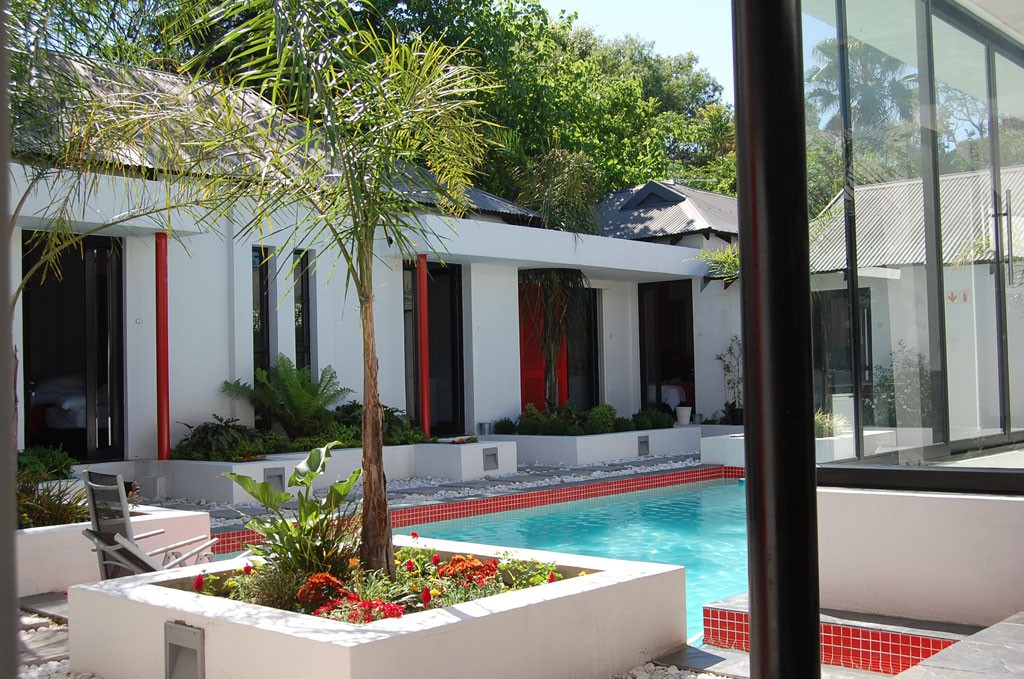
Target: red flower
(425,597)
(410,565)
(198,583)
(247,569)
(551,576)
(436,559)
(415,535)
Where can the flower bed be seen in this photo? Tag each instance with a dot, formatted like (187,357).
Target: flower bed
(617,616)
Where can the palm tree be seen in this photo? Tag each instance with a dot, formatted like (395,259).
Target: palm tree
(295,111)
(883,90)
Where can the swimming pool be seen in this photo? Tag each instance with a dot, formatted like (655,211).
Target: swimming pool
(701,526)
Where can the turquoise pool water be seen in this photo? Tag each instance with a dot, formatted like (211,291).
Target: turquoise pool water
(701,526)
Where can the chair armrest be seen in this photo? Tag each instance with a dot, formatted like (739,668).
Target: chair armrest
(176,545)
(191,553)
(142,536)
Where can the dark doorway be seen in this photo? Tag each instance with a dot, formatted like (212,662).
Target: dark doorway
(582,358)
(444,303)
(832,343)
(74,355)
(666,345)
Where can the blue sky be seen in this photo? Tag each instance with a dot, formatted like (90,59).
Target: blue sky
(703,27)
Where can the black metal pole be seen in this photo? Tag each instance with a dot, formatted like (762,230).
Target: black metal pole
(778,399)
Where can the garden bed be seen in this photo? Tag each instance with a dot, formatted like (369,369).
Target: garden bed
(617,616)
(595,448)
(53,558)
(201,480)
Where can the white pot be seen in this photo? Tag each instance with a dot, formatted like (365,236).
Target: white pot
(683,414)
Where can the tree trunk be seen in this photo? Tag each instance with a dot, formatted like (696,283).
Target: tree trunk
(377,551)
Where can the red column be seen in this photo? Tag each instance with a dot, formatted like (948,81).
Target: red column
(163,412)
(423,341)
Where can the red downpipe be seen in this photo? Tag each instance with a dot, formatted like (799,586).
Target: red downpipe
(163,411)
(423,341)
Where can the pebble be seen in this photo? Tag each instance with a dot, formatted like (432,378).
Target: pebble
(53,670)
(652,671)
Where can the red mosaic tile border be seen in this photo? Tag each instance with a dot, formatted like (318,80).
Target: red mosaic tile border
(235,541)
(848,646)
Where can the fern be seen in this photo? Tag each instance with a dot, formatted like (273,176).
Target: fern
(291,396)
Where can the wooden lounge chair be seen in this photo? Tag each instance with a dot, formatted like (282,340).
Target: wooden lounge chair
(116,544)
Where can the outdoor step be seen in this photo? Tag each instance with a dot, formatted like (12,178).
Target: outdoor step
(52,605)
(28,621)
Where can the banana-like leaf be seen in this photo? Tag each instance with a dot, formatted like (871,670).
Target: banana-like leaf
(339,491)
(263,492)
(313,466)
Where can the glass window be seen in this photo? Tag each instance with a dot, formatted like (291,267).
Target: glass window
(303,305)
(261,308)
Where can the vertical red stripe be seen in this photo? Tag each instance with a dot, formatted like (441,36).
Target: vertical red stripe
(163,412)
(423,341)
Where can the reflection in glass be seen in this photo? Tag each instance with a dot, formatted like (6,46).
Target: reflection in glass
(966,219)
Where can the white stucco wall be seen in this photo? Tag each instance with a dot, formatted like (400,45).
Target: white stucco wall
(490,321)
(929,556)
(619,345)
(716,319)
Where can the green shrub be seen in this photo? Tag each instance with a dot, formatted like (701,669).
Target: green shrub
(623,424)
(653,419)
(46,463)
(224,440)
(505,425)
(600,419)
(291,397)
(397,428)
(347,437)
(553,425)
(531,421)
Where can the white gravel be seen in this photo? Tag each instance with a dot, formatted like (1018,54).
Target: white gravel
(496,487)
(53,670)
(652,671)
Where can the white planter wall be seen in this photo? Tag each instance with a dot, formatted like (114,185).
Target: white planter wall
(596,448)
(53,558)
(930,556)
(619,615)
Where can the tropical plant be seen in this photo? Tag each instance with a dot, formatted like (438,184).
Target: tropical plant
(291,396)
(723,263)
(396,428)
(42,502)
(46,463)
(225,440)
(321,536)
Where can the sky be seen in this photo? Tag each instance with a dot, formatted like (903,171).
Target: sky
(703,27)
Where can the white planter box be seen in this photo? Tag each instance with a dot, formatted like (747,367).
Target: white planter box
(707,430)
(465,461)
(728,450)
(619,615)
(52,558)
(197,480)
(595,448)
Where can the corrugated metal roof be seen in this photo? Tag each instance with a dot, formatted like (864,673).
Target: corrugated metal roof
(890,225)
(108,82)
(665,208)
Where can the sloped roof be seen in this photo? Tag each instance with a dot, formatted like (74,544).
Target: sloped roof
(890,227)
(666,208)
(108,82)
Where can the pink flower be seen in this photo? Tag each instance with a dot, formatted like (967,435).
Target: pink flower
(425,597)
(551,576)
(415,535)
(247,569)
(436,559)
(410,565)
(198,584)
